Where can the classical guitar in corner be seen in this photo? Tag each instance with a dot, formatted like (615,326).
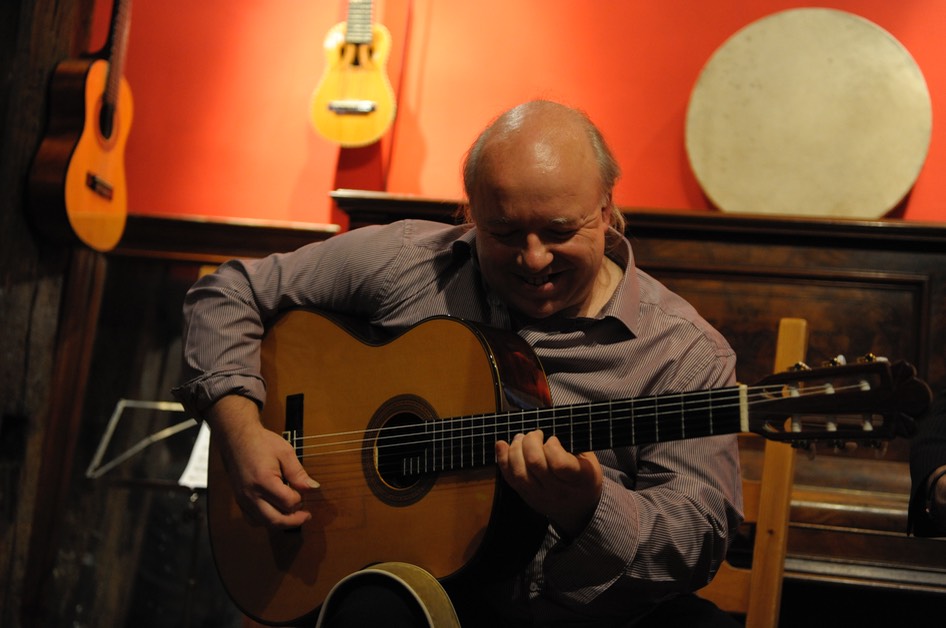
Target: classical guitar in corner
(77,179)
(400,432)
(353,103)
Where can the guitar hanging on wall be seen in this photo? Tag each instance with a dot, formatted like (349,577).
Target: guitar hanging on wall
(353,104)
(77,180)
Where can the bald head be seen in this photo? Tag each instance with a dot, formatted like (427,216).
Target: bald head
(541,134)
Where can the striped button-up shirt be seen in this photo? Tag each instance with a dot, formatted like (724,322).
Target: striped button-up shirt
(667,511)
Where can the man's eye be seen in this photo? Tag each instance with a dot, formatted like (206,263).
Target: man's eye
(561,236)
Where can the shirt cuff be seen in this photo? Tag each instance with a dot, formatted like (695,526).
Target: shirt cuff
(198,394)
(598,557)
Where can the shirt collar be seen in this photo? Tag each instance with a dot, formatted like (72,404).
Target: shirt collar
(624,304)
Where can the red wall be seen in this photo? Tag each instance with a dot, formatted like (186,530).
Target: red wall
(222,88)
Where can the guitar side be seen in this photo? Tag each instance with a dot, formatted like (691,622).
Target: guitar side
(341,385)
(353,103)
(77,179)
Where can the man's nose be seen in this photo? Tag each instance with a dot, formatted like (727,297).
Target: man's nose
(535,254)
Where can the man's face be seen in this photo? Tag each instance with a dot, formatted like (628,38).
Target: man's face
(541,219)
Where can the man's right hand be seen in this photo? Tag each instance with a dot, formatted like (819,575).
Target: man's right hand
(268,480)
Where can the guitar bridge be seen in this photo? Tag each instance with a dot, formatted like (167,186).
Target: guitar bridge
(352,106)
(99,185)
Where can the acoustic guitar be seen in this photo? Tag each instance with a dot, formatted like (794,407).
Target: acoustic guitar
(353,103)
(77,179)
(400,433)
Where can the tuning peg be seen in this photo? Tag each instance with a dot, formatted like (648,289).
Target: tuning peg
(795,420)
(805,445)
(836,445)
(799,366)
(810,450)
(838,360)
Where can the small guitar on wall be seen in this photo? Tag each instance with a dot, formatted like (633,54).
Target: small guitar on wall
(353,104)
(77,179)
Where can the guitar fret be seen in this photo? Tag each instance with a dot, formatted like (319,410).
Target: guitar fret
(571,426)
(442,454)
(477,429)
(710,418)
(482,446)
(633,424)
(610,424)
(656,421)
(432,457)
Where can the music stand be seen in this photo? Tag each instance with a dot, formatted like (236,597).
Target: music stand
(192,480)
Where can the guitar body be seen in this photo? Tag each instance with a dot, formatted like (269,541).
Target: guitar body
(330,382)
(77,181)
(353,104)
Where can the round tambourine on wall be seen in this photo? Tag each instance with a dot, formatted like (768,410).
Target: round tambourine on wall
(809,112)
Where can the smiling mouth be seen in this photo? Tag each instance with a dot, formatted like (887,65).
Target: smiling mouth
(536,281)
(539,280)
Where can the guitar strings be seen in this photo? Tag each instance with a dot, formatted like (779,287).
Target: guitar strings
(342,457)
(454,428)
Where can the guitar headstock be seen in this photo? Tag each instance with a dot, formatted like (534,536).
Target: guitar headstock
(870,401)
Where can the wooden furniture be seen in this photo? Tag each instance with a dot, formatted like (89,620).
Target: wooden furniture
(756,591)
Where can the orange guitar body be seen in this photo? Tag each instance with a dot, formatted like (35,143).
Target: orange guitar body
(351,389)
(77,182)
(354,104)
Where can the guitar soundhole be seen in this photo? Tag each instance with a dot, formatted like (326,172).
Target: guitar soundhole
(396,452)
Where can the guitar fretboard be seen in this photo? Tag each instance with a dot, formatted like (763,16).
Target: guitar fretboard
(358,26)
(468,442)
(118,40)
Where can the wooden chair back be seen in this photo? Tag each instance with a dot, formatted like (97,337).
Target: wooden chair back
(756,593)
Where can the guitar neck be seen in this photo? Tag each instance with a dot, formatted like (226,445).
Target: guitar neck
(118,45)
(358,27)
(467,442)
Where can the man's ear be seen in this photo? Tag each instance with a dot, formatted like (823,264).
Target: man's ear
(606,208)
